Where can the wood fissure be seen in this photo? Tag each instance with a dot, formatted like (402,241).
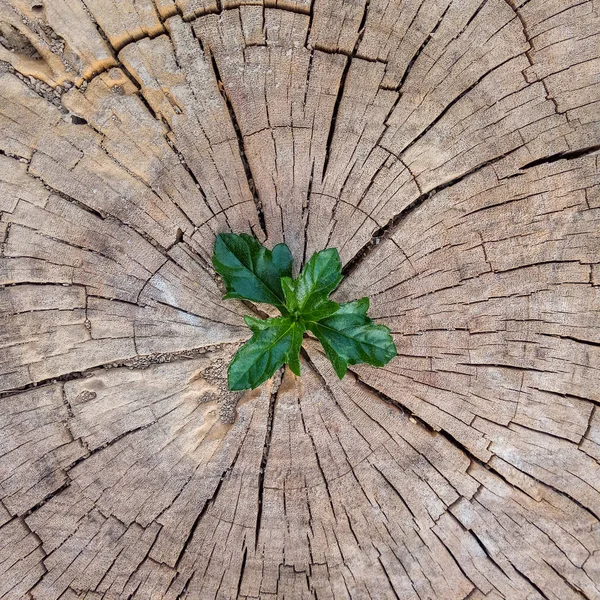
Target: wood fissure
(449,150)
(387,230)
(240,141)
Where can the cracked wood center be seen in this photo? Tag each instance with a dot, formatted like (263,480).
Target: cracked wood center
(449,149)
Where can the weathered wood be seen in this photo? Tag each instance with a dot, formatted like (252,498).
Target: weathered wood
(450,150)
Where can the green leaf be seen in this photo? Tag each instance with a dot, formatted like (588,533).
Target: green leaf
(251,271)
(319,277)
(255,324)
(320,310)
(288,285)
(314,311)
(274,342)
(293,357)
(350,337)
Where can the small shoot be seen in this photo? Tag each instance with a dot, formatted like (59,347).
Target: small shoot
(252,272)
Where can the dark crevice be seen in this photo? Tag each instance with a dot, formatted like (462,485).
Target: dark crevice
(305,355)
(178,240)
(334,114)
(47,498)
(361,28)
(487,553)
(503,366)
(449,106)
(189,171)
(419,51)
(306,211)
(242,569)
(191,314)
(514,424)
(104,37)
(184,589)
(568,7)
(240,140)
(457,561)
(352,54)
(388,578)
(574,589)
(21,159)
(529,581)
(342,85)
(142,98)
(535,264)
(504,202)
(41,283)
(471,19)
(569,155)
(308,74)
(195,526)
(209,501)
(350,527)
(62,378)
(64,196)
(138,361)
(398,494)
(107,444)
(193,253)
(564,395)
(66,243)
(392,225)
(491,559)
(276,382)
(311,16)
(515,8)
(78,120)
(571,338)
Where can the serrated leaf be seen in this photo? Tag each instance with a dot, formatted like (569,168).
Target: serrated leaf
(319,277)
(251,271)
(274,342)
(350,337)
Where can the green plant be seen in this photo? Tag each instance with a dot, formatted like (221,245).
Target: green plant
(252,272)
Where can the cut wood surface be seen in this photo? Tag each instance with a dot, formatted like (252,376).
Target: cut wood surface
(450,149)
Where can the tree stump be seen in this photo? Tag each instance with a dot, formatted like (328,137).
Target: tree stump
(449,149)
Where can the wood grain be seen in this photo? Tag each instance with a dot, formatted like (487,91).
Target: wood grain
(449,149)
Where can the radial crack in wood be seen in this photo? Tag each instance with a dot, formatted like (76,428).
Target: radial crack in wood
(449,150)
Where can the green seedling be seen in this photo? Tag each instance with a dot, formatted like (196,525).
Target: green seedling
(255,273)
